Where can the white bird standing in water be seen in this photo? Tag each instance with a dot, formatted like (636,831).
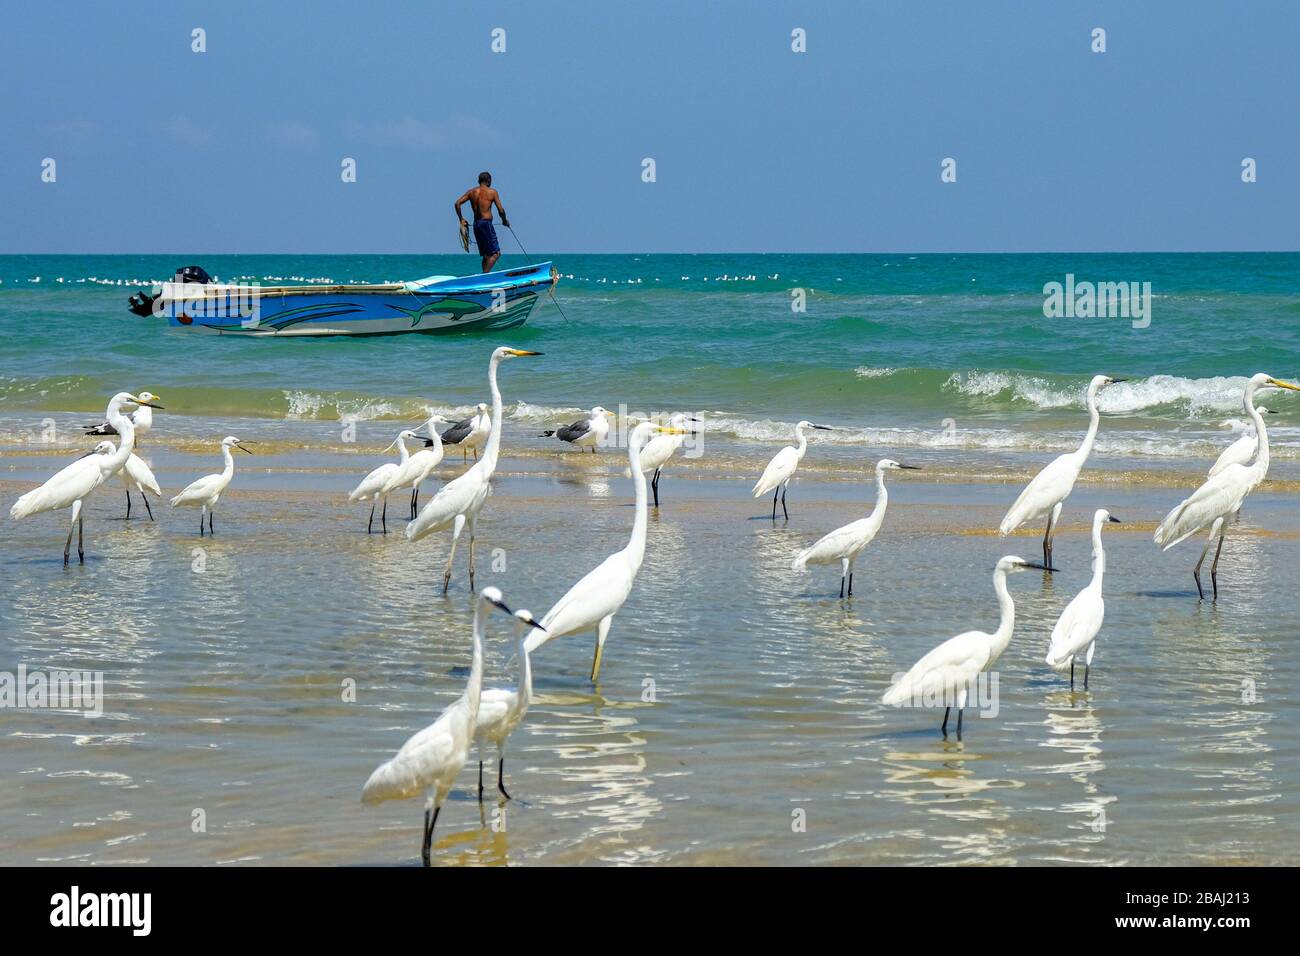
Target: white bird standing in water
(205,492)
(1046,493)
(1077,628)
(469,434)
(846,543)
(430,761)
(1221,497)
(502,709)
(586,432)
(70,486)
(660,448)
(1241,451)
(418,467)
(460,500)
(950,670)
(594,600)
(375,486)
(135,472)
(776,476)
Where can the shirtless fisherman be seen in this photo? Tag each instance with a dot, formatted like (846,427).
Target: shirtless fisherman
(481,199)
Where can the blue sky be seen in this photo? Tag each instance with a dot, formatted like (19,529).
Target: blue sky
(757,148)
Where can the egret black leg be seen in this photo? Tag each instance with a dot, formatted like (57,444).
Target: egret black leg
(128,503)
(201,523)
(1214,568)
(783,511)
(959,723)
(415,496)
(429,823)
(943,728)
(841,586)
(81,528)
(774,494)
(1086,668)
(383,516)
(850,584)
(211,530)
(501,778)
(654,486)
(146,504)
(371,523)
(67,546)
(480,781)
(1071,675)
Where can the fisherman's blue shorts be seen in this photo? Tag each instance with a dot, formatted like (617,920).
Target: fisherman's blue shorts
(485,235)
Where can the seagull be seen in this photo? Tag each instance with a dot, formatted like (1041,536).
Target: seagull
(469,434)
(586,432)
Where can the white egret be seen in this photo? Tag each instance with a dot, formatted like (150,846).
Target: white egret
(1076,629)
(660,448)
(70,486)
(415,469)
(502,709)
(846,543)
(135,473)
(776,476)
(950,670)
(1241,451)
(460,500)
(429,762)
(375,486)
(205,492)
(469,434)
(586,432)
(1046,493)
(1221,497)
(594,600)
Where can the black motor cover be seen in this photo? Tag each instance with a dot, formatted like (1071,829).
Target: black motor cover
(195,274)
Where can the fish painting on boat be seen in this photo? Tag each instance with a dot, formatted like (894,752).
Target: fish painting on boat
(433,305)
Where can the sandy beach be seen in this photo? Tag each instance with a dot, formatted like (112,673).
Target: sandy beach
(737,696)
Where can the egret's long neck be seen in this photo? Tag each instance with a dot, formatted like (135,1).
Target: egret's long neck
(126,431)
(882,496)
(636,544)
(1007,609)
(493,446)
(432,427)
(802,439)
(525,687)
(1098,553)
(228,471)
(474,687)
(1094,419)
(1260,464)
(402,453)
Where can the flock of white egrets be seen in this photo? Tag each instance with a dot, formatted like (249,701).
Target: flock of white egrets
(429,762)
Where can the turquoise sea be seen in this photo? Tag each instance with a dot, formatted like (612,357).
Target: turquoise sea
(909,350)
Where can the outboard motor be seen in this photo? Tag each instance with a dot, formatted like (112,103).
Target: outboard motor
(195,274)
(142,302)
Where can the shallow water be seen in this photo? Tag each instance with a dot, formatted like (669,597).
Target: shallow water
(224,687)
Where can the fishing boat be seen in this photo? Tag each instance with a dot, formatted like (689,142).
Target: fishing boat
(433,305)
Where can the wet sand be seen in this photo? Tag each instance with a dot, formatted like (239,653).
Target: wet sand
(737,697)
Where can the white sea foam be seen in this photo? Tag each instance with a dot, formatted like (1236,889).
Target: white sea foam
(867,371)
(1196,397)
